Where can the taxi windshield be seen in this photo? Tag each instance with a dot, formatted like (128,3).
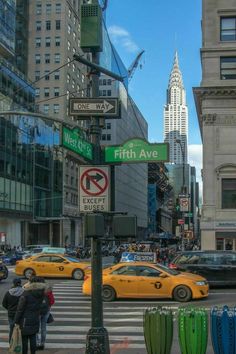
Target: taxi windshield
(168,270)
(71,259)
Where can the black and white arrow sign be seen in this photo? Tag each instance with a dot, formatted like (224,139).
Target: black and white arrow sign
(94,107)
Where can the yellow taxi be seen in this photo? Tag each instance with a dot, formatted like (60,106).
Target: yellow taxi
(52,265)
(147,280)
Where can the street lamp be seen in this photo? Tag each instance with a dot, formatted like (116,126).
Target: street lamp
(178,141)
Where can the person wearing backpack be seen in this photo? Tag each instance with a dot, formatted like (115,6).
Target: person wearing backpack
(28,313)
(10,302)
(48,301)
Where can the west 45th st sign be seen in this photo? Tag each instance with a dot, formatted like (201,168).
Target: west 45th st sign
(137,150)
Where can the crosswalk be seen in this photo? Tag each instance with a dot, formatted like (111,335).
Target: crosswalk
(72,314)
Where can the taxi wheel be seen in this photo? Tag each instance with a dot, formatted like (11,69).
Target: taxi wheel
(108,293)
(78,274)
(28,273)
(182,293)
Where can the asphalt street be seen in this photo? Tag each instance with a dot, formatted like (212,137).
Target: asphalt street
(123,318)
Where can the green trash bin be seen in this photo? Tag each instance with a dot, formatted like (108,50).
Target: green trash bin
(158,330)
(193,330)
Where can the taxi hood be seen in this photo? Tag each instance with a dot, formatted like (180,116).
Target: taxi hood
(191,276)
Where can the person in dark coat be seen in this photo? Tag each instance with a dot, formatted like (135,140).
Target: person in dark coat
(28,313)
(10,302)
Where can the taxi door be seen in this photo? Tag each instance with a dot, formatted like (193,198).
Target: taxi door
(125,281)
(57,267)
(151,284)
(40,265)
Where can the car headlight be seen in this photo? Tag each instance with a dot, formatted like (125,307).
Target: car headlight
(201,283)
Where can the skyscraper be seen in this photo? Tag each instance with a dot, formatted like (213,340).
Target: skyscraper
(176,116)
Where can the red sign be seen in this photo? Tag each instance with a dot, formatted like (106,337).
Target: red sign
(94,181)
(181,222)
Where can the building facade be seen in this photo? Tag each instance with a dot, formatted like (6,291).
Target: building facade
(176,116)
(131,180)
(216,107)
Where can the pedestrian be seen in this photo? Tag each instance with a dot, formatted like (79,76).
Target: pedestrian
(28,313)
(10,302)
(48,301)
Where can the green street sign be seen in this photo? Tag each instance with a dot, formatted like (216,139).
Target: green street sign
(188,215)
(72,141)
(137,150)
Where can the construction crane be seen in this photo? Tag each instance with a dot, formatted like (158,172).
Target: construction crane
(134,65)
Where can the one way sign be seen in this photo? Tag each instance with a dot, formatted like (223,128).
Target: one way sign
(103,107)
(94,188)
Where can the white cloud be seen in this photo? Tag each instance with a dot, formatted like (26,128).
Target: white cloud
(121,36)
(195,159)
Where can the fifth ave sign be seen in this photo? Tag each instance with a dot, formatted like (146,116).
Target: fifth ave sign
(94,107)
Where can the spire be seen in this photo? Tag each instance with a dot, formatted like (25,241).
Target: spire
(176,76)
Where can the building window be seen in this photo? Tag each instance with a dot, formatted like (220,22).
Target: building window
(37,59)
(228,193)
(56,108)
(37,42)
(37,75)
(69,13)
(108,81)
(48,25)
(38,25)
(57,41)
(68,78)
(48,9)
(73,84)
(68,45)
(58,24)
(46,108)
(38,9)
(56,91)
(57,58)
(108,92)
(108,137)
(47,77)
(37,92)
(69,29)
(47,58)
(46,92)
(108,125)
(47,41)
(57,75)
(228,68)
(228,29)
(58,8)
(103,136)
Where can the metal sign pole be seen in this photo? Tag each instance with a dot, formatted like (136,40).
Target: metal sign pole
(97,337)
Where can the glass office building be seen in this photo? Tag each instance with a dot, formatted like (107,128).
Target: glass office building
(30,178)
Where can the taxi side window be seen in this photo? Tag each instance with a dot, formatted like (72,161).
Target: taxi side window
(42,259)
(127,270)
(56,259)
(148,272)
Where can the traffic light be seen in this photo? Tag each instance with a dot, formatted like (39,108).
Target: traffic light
(94,225)
(124,226)
(177,205)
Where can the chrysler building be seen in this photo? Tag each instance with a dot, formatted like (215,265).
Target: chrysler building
(176,116)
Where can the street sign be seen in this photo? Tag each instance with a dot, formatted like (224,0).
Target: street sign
(94,188)
(72,141)
(180,221)
(188,215)
(87,107)
(184,203)
(137,150)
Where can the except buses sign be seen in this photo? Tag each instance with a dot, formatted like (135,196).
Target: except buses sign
(137,150)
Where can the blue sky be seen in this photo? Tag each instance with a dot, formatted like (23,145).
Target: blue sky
(160,28)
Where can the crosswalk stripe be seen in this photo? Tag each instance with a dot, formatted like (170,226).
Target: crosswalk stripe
(72,314)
